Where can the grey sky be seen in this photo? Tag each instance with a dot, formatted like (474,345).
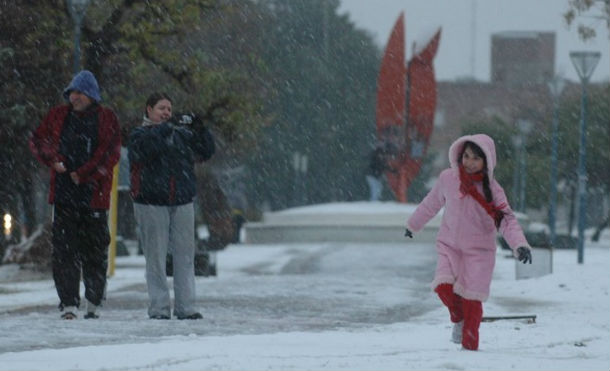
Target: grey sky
(455,17)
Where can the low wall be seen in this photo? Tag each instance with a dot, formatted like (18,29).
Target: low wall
(339,222)
(344,222)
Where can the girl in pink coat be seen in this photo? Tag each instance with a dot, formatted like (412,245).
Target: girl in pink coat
(475,209)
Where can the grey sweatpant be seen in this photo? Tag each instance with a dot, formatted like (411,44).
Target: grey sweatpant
(160,228)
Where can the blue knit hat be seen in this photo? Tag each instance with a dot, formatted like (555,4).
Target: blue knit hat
(86,83)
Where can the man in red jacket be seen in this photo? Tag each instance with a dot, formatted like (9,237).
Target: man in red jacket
(80,142)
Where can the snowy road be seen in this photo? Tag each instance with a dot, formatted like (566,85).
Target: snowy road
(260,289)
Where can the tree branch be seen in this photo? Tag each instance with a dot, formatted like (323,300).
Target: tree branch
(180,77)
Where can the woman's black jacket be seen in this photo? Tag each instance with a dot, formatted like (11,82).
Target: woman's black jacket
(162,162)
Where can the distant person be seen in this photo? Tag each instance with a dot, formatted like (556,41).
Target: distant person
(162,157)
(80,142)
(239,204)
(215,212)
(475,209)
(604,224)
(376,168)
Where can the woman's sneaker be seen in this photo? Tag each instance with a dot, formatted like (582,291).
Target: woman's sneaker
(456,334)
(195,315)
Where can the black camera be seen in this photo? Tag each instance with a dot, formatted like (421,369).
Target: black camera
(185,119)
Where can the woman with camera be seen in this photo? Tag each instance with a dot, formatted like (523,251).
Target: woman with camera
(162,159)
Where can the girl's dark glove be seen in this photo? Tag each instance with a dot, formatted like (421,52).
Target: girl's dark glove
(408,233)
(524,254)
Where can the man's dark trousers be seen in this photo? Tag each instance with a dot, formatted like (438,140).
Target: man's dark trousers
(80,243)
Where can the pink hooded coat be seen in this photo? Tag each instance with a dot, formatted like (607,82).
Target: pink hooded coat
(466,241)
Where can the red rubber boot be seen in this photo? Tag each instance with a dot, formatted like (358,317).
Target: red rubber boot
(473,313)
(451,300)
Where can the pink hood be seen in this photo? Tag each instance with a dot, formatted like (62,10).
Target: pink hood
(481,140)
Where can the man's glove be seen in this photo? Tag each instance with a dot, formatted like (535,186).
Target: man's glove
(408,233)
(524,255)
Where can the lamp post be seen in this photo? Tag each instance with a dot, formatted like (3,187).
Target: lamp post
(517,142)
(584,63)
(525,127)
(556,86)
(77,10)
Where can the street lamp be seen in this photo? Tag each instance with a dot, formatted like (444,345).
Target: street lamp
(556,86)
(525,127)
(77,10)
(517,143)
(584,63)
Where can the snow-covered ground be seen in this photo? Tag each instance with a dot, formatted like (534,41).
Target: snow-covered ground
(328,306)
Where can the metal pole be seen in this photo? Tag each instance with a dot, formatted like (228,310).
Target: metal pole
(523,174)
(77,9)
(553,203)
(582,176)
(77,27)
(584,63)
(515,191)
(303,169)
(296,158)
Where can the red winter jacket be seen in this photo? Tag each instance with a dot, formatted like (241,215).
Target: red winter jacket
(98,170)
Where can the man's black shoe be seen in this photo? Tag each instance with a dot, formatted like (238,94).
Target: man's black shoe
(195,315)
(91,315)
